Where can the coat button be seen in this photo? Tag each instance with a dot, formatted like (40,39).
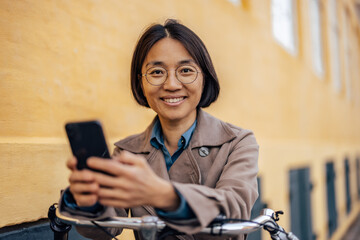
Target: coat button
(204,151)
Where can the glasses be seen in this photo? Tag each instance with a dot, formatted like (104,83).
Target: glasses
(157,75)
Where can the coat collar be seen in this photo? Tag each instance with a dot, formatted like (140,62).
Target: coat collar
(209,131)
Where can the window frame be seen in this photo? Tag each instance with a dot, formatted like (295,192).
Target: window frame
(334,45)
(279,20)
(317,44)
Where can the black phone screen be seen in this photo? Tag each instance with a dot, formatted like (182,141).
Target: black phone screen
(86,140)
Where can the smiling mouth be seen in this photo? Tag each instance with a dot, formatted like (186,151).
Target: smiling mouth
(173,100)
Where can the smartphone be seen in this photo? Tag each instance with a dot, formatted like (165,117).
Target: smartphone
(86,140)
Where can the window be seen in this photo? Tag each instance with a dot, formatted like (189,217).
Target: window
(235,2)
(283,16)
(347,185)
(300,203)
(348,58)
(316,39)
(331,199)
(334,45)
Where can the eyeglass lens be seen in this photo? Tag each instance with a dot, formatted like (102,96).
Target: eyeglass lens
(158,75)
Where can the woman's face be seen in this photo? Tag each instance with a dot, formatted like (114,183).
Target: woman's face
(173,100)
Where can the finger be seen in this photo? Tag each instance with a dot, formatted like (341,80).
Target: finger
(82,176)
(126,157)
(109,166)
(112,193)
(81,188)
(108,181)
(71,163)
(83,200)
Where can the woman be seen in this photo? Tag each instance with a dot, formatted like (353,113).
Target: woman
(187,167)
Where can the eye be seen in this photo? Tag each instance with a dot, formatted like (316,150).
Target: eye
(185,70)
(156,72)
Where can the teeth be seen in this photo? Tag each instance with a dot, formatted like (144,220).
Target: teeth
(173,100)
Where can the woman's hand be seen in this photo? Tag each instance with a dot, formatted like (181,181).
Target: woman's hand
(83,186)
(133,183)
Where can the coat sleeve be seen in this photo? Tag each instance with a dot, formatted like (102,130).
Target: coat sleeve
(235,191)
(92,232)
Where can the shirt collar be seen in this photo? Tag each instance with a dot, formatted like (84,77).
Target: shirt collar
(210,132)
(188,134)
(157,139)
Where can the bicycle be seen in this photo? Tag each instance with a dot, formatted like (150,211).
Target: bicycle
(151,227)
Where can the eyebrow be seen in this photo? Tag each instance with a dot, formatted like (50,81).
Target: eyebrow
(187,61)
(160,63)
(155,63)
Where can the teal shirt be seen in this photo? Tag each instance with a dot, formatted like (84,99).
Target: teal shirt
(157,141)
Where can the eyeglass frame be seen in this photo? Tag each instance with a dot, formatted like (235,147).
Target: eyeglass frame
(167,75)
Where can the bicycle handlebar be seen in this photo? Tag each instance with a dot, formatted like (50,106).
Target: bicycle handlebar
(150,225)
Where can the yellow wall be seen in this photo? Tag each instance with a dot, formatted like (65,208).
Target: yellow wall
(70,60)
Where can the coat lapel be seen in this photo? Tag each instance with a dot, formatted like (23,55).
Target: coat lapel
(185,169)
(210,131)
(140,144)
(157,162)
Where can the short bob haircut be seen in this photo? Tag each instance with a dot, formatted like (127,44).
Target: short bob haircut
(192,44)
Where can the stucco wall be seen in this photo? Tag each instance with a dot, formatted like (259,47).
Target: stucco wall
(70,60)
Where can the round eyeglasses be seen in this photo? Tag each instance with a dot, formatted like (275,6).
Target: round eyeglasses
(157,75)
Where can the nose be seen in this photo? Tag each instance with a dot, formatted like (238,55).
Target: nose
(172,83)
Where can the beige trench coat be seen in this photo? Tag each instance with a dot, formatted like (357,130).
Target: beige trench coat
(215,174)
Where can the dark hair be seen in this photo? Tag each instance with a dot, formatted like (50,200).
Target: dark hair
(193,45)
